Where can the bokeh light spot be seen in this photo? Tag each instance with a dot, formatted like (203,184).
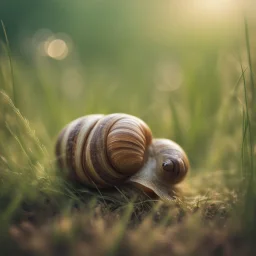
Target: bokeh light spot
(57,49)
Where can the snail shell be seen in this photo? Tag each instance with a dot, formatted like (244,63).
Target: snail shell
(104,151)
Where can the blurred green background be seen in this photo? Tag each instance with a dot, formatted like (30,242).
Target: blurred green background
(175,64)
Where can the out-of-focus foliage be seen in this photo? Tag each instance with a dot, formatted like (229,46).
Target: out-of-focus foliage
(173,64)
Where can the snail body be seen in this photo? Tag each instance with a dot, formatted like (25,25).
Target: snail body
(108,150)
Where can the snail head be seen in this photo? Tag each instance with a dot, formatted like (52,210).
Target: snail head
(166,166)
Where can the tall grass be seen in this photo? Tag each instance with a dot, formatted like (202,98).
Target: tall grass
(248,145)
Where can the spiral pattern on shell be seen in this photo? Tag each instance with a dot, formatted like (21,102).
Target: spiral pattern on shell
(103,151)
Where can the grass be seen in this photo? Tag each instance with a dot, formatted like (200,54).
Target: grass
(213,212)
(248,143)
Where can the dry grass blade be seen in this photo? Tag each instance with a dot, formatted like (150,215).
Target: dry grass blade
(25,123)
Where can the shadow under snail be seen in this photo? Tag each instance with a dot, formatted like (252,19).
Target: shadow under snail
(108,150)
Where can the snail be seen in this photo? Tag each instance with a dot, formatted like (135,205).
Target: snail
(108,150)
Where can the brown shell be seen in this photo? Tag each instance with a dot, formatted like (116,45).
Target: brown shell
(128,141)
(102,150)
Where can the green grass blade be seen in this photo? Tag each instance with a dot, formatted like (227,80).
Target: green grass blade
(10,63)
(248,124)
(249,60)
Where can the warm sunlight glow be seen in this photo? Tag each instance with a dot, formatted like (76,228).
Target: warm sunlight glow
(210,16)
(214,6)
(57,49)
(216,9)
